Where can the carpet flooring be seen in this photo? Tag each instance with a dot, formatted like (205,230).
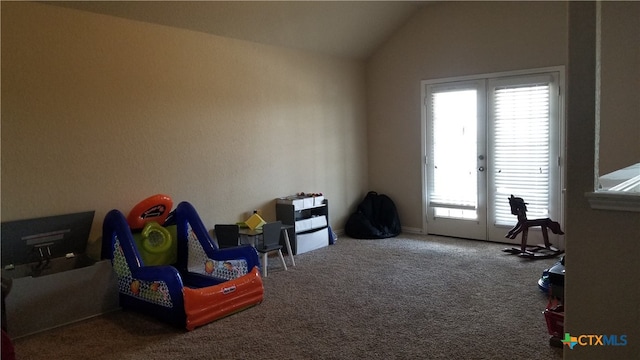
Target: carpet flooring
(408,297)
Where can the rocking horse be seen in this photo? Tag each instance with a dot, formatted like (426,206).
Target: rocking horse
(519,208)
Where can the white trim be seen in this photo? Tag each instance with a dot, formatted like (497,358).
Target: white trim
(412,230)
(612,200)
(559,69)
(425,152)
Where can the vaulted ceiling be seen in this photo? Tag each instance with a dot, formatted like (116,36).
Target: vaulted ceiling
(351,29)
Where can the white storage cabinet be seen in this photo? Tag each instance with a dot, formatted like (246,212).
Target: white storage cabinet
(309,221)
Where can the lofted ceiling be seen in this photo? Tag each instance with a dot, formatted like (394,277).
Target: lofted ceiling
(352,29)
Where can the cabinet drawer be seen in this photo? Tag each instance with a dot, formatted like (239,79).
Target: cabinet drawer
(301,203)
(303,225)
(318,222)
(307,202)
(298,203)
(312,241)
(311,223)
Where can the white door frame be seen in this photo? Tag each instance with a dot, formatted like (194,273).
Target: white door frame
(559,188)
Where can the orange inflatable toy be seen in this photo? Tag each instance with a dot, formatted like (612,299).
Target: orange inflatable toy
(154,208)
(205,283)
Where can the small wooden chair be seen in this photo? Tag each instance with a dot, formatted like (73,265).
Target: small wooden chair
(519,208)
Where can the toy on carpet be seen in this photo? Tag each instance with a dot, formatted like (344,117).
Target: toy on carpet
(552,283)
(519,208)
(203,284)
(552,276)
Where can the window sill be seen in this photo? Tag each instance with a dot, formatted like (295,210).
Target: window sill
(613,200)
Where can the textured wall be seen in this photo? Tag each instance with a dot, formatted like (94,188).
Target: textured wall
(100,112)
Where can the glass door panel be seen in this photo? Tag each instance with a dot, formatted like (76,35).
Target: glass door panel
(455,160)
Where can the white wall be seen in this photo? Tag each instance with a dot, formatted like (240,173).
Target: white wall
(100,112)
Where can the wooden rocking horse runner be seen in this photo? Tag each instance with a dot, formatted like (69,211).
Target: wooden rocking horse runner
(519,208)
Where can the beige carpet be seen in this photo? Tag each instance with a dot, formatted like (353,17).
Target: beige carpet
(410,297)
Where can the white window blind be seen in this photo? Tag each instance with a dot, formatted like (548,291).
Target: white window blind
(521,156)
(454,118)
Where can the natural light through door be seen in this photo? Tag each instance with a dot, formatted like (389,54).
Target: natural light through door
(454,176)
(455,158)
(485,139)
(521,149)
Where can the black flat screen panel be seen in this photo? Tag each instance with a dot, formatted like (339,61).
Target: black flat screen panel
(31,240)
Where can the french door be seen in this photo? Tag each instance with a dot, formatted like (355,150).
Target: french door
(486,138)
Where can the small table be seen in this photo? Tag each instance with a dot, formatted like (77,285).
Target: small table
(253,233)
